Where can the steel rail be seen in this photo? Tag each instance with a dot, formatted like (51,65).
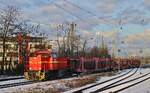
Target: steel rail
(17,84)
(131,85)
(13,78)
(80,91)
(109,87)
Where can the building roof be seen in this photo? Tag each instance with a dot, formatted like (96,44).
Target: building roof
(14,39)
(45,51)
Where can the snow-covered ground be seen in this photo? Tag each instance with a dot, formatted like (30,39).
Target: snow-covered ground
(6,77)
(143,87)
(13,81)
(138,74)
(140,88)
(63,84)
(100,79)
(104,84)
(60,85)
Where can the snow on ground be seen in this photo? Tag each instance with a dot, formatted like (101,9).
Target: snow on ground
(13,81)
(70,84)
(144,71)
(55,86)
(140,88)
(6,76)
(100,79)
(49,86)
(122,86)
(106,84)
(139,73)
(135,89)
(143,87)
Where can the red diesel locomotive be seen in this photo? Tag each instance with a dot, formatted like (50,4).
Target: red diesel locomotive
(43,64)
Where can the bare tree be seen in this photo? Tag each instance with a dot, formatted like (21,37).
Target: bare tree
(67,39)
(8,20)
(9,24)
(26,29)
(83,48)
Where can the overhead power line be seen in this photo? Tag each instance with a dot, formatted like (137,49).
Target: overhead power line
(71,13)
(89,12)
(80,8)
(78,17)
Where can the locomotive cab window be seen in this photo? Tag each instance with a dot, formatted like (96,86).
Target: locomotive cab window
(32,55)
(45,55)
(54,55)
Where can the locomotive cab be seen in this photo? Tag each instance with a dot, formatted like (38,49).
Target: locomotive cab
(34,69)
(43,63)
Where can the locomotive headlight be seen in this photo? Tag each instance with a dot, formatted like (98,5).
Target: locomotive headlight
(30,68)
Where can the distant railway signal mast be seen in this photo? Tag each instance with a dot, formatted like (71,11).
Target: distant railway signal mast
(23,42)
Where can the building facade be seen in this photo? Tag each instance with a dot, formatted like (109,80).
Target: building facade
(12,47)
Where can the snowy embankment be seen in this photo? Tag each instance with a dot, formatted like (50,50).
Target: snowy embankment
(143,87)
(138,74)
(140,88)
(101,79)
(9,77)
(54,86)
(75,83)
(13,81)
(107,83)
(57,86)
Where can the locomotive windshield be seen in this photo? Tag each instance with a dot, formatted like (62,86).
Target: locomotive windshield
(45,55)
(54,55)
(32,55)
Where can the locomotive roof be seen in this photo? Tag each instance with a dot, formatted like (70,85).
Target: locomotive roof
(46,51)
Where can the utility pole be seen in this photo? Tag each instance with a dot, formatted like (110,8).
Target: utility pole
(72,38)
(114,46)
(103,45)
(103,48)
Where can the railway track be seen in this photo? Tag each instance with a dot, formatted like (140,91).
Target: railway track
(131,85)
(124,85)
(106,81)
(12,78)
(105,85)
(31,82)
(104,89)
(17,84)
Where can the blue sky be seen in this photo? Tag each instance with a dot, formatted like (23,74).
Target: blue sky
(131,12)
(91,16)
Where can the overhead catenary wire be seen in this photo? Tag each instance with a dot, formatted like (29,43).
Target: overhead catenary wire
(58,6)
(89,12)
(72,14)
(67,11)
(80,8)
(78,17)
(120,22)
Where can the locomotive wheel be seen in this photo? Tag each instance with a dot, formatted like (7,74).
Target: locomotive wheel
(41,76)
(26,75)
(35,75)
